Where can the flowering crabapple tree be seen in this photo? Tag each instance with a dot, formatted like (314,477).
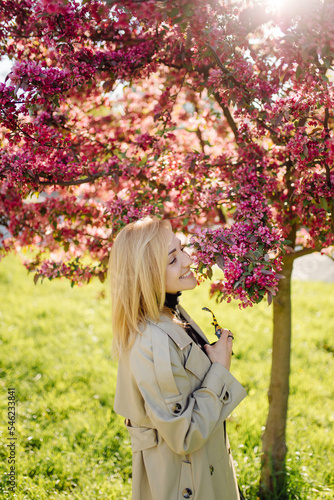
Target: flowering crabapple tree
(215,114)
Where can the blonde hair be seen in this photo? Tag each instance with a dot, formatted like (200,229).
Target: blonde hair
(137,270)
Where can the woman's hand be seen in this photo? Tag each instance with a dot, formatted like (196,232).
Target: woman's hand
(221,351)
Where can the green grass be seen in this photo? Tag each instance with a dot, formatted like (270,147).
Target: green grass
(55,350)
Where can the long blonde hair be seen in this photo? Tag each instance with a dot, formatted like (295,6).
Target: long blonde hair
(137,270)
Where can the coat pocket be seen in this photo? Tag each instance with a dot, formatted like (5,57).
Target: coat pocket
(142,438)
(186,485)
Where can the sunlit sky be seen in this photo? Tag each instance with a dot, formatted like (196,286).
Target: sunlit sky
(5,65)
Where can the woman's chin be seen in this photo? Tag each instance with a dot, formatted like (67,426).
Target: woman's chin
(188,284)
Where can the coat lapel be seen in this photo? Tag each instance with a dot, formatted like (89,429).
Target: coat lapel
(192,323)
(174,331)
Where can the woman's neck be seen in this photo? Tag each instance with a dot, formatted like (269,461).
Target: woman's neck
(172,300)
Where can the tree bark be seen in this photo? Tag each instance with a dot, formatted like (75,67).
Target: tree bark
(273,440)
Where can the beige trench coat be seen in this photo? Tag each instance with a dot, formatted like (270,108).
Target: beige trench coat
(175,402)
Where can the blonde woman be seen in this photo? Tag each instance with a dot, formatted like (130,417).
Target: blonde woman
(174,389)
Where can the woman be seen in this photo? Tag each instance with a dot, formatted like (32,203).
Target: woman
(173,388)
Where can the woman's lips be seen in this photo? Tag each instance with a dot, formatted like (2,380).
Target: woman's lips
(186,275)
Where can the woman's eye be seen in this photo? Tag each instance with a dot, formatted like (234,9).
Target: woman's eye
(174,260)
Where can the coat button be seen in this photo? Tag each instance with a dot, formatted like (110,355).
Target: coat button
(211,469)
(187,493)
(176,409)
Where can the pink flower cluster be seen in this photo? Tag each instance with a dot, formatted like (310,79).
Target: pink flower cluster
(248,256)
(74,270)
(31,76)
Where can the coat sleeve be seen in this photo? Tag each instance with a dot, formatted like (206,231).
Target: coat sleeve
(184,419)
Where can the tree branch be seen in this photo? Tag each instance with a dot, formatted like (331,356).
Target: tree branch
(270,129)
(300,253)
(77,182)
(200,138)
(307,251)
(228,116)
(222,67)
(328,173)
(247,97)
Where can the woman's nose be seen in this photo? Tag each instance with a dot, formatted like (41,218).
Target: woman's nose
(187,259)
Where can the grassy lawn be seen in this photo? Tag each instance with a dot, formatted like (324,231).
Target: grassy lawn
(55,351)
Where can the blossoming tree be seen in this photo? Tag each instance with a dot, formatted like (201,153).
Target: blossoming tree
(215,114)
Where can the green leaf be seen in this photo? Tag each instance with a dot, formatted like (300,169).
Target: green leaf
(55,101)
(210,90)
(174,12)
(324,203)
(298,72)
(220,262)
(143,161)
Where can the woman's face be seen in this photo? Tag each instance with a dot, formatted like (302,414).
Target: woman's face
(178,274)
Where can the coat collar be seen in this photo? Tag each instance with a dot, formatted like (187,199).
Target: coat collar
(173,330)
(176,332)
(192,323)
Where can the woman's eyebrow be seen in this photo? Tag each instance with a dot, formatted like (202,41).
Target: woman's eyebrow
(174,250)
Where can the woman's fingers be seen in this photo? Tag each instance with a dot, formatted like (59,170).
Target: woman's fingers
(225,333)
(228,335)
(221,351)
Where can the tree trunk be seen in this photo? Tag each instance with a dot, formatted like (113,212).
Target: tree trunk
(273,440)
